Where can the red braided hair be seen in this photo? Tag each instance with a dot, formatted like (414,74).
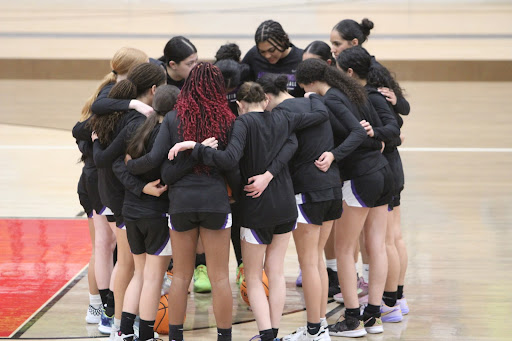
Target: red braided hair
(203,107)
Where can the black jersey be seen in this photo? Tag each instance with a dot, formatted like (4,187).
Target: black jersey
(388,130)
(170,81)
(137,204)
(354,158)
(104,105)
(286,66)
(402,106)
(110,188)
(189,191)
(256,140)
(312,142)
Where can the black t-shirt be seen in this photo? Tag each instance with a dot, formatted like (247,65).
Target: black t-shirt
(170,81)
(189,191)
(256,140)
(312,142)
(286,66)
(355,152)
(137,204)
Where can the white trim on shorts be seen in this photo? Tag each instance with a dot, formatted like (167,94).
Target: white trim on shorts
(106,211)
(350,196)
(249,236)
(167,249)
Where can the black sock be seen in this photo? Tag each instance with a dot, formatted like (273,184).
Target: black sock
(313,328)
(353,312)
(400,292)
(171,265)
(175,332)
(223,334)
(200,259)
(389,298)
(267,335)
(372,310)
(127,321)
(275,331)
(146,331)
(111,305)
(103,294)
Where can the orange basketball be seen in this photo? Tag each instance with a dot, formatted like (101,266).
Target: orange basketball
(243,288)
(162,316)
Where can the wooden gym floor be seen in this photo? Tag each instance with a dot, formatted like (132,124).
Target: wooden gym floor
(457,156)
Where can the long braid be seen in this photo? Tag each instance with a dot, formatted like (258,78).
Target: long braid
(203,109)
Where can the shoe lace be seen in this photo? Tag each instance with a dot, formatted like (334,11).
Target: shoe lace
(201,270)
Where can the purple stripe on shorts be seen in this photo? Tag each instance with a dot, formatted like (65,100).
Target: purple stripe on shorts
(90,214)
(304,214)
(170,223)
(121,226)
(225,222)
(303,198)
(102,210)
(357,195)
(256,236)
(159,251)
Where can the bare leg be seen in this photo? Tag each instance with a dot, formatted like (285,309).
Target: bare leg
(125,268)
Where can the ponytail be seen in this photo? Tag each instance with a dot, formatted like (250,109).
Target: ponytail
(250,92)
(123,61)
(273,83)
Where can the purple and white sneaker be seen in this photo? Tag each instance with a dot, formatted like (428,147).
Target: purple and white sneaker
(403,305)
(298,282)
(391,314)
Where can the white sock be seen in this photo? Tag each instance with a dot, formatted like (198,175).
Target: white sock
(323,321)
(117,323)
(366,273)
(331,264)
(95,300)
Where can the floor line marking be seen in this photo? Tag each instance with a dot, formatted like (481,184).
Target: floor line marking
(19,331)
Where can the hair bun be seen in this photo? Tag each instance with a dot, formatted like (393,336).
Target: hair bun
(281,82)
(366,26)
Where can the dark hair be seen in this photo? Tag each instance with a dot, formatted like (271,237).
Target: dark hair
(163,102)
(230,71)
(357,59)
(273,32)
(202,107)
(350,29)
(376,75)
(320,49)
(177,49)
(165,98)
(138,81)
(228,51)
(311,70)
(250,92)
(273,83)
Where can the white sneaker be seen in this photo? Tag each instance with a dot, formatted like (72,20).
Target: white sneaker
(93,314)
(301,334)
(122,337)
(113,332)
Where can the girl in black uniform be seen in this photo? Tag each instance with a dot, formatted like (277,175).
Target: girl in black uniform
(201,111)
(366,190)
(146,227)
(268,215)
(320,50)
(112,131)
(274,53)
(180,56)
(319,200)
(123,60)
(345,34)
(356,61)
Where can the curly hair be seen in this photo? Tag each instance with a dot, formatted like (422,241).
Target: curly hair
(202,107)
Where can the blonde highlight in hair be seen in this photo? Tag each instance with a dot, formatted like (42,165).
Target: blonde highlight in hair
(123,61)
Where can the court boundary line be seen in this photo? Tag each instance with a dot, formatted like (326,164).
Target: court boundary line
(32,319)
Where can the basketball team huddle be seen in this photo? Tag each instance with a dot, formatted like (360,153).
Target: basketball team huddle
(183,157)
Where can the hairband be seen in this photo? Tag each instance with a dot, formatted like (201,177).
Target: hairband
(114,72)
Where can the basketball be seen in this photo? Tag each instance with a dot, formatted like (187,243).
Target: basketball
(162,316)
(243,288)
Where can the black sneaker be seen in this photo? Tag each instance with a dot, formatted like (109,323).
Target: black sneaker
(334,284)
(373,323)
(348,327)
